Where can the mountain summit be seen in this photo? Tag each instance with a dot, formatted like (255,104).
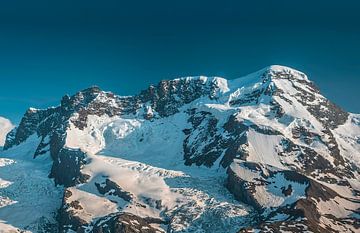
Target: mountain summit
(263,152)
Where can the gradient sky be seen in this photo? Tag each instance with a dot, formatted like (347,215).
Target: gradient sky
(50,48)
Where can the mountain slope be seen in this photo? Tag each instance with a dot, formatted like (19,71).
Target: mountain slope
(196,154)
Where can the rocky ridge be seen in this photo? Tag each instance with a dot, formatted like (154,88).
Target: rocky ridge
(268,127)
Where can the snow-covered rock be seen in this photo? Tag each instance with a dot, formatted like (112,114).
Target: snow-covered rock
(285,198)
(161,158)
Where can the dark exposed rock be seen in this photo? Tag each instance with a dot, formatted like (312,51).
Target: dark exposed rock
(30,124)
(203,135)
(120,222)
(307,137)
(311,161)
(242,190)
(123,223)
(287,191)
(67,217)
(230,141)
(66,169)
(237,143)
(168,96)
(155,203)
(111,188)
(297,216)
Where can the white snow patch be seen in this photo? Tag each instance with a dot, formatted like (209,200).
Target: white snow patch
(264,148)
(5,127)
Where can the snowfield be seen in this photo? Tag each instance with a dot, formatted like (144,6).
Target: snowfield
(28,198)
(145,159)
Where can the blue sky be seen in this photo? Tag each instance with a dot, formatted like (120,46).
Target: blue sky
(50,48)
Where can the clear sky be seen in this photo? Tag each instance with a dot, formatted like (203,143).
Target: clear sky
(50,48)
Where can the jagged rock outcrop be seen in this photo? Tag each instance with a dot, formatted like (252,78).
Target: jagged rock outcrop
(111,188)
(120,222)
(289,201)
(124,223)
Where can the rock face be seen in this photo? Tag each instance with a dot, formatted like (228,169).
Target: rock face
(124,223)
(67,214)
(116,222)
(286,199)
(111,188)
(157,161)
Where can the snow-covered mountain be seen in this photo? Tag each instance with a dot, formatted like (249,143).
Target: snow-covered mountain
(5,127)
(264,152)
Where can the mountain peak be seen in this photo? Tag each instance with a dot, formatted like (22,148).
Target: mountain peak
(164,152)
(278,71)
(280,68)
(92,89)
